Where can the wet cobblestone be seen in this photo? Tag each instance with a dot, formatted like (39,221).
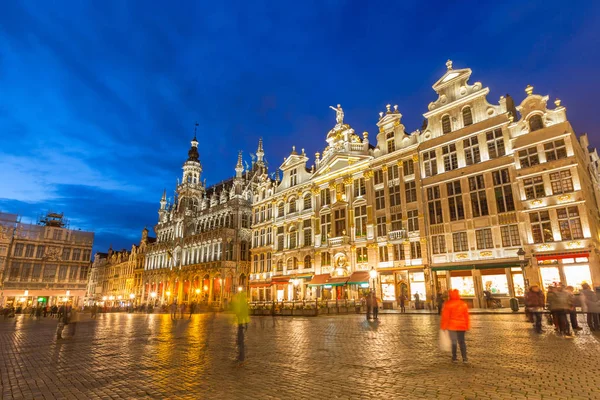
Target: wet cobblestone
(122,356)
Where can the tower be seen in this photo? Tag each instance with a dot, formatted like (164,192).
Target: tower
(192,169)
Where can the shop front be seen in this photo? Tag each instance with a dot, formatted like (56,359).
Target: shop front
(569,269)
(409,283)
(326,287)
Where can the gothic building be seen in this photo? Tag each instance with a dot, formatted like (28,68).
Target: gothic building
(202,250)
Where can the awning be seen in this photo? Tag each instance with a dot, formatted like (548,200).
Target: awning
(261,284)
(560,256)
(359,277)
(280,279)
(318,280)
(337,281)
(463,267)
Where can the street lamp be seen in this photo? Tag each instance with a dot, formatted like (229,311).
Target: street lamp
(240,288)
(521,254)
(132,296)
(373,275)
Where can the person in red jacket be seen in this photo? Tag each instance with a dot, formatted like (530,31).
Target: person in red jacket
(455,319)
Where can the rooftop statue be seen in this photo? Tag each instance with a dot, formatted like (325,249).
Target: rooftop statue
(339,114)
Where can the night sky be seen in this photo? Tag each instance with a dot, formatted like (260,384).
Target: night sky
(98,100)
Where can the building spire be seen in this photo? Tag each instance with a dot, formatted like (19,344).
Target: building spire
(239,167)
(195,128)
(163,200)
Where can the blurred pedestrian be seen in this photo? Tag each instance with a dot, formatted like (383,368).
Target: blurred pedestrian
(181,310)
(559,305)
(173,308)
(456,320)
(402,300)
(534,305)
(375,306)
(242,314)
(369,305)
(590,305)
(192,307)
(73,320)
(440,301)
(573,310)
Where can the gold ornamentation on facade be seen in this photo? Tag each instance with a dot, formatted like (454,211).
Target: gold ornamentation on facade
(576,244)
(381,129)
(384,168)
(332,185)
(423,240)
(415,157)
(351,161)
(368,175)
(397,123)
(315,190)
(348,180)
(462,256)
(564,197)
(536,203)
(399,164)
(545,247)
(486,254)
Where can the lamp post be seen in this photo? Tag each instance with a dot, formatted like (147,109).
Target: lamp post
(523,263)
(373,275)
(197,293)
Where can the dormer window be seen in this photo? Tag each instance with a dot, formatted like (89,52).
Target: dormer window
(467,116)
(446,124)
(391,144)
(293,177)
(535,123)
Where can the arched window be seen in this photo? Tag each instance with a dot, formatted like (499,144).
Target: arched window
(280,209)
(292,206)
(446,125)
(307,262)
(535,123)
(467,116)
(307,202)
(292,263)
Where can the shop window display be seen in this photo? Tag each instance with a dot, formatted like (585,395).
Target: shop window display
(550,276)
(576,275)
(495,284)
(388,289)
(464,285)
(417,285)
(518,284)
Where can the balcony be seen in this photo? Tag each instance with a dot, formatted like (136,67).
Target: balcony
(396,235)
(338,241)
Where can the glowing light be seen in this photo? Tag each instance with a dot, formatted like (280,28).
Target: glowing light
(153,295)
(240,288)
(132,296)
(103,298)
(197,290)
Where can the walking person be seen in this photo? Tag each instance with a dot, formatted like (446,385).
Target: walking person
(402,300)
(375,306)
(173,310)
(573,310)
(242,314)
(590,305)
(440,301)
(456,320)
(181,310)
(534,305)
(192,307)
(369,305)
(73,320)
(559,305)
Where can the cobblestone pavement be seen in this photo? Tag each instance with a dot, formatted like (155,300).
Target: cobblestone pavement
(338,357)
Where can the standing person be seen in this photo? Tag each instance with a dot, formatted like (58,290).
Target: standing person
(181,310)
(534,305)
(455,319)
(402,303)
(173,310)
(573,309)
(375,306)
(94,310)
(417,301)
(369,305)
(440,301)
(590,305)
(192,307)
(559,304)
(73,319)
(240,308)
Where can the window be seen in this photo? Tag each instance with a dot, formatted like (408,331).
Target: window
(42,249)
(409,167)
(29,250)
(307,232)
(36,273)
(396,220)
(340,222)
(510,235)
(467,116)
(269,236)
(379,199)
(325,258)
(246,220)
(280,209)
(56,234)
(555,150)
(293,238)
(394,195)
(307,203)
(292,206)
(359,187)
(255,239)
(393,172)
(383,254)
(438,244)
(14,270)
(360,221)
(269,262)
(450,159)
(430,163)
(325,227)
(280,265)
(434,205)
(293,177)
(460,242)
(455,201)
(280,238)
(535,123)
(411,191)
(49,273)
(255,264)
(399,252)
(484,239)
(292,263)
(495,143)
(446,124)
(534,188)
(529,157)
(413,220)
(561,182)
(25,270)
(478,198)
(569,223)
(381,228)
(471,147)
(362,255)
(391,145)
(415,249)
(307,262)
(503,191)
(325,197)
(541,227)
(378,177)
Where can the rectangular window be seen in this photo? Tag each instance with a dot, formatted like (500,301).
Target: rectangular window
(391,145)
(471,147)
(41,250)
(378,177)
(495,143)
(57,234)
(306,225)
(340,222)
(362,255)
(293,239)
(29,250)
(18,251)
(415,249)
(73,272)
(430,163)
(393,172)
(396,220)
(381,228)
(36,273)
(413,220)
(255,264)
(478,197)
(569,223)
(434,205)
(541,228)
(325,227)
(383,254)
(83,272)
(510,235)
(561,182)
(534,188)
(411,191)
(359,187)
(460,242)
(394,195)
(503,191)
(293,177)
(529,157)
(438,244)
(325,197)
(449,156)
(409,167)
(14,270)
(484,239)
(555,150)
(455,201)
(306,202)
(268,262)
(399,252)
(49,273)
(379,199)
(25,271)
(360,221)
(325,258)
(280,238)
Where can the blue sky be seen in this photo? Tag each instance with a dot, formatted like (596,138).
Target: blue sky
(98,100)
